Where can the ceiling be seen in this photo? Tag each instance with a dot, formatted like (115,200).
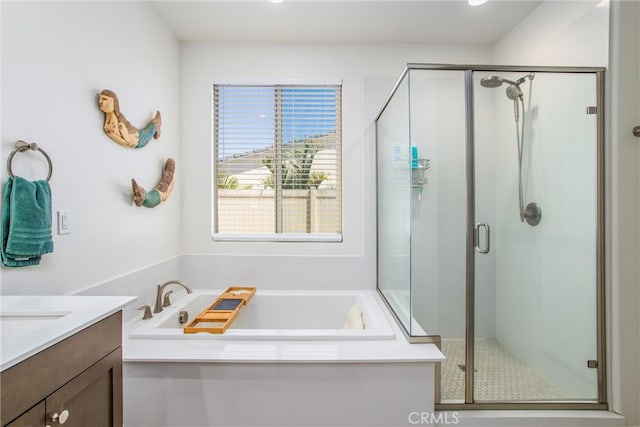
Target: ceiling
(330,21)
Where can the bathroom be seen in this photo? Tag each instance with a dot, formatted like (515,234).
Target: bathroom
(57,56)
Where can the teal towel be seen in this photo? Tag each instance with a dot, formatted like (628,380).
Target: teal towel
(26,222)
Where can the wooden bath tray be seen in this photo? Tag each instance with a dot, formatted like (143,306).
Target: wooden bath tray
(217,317)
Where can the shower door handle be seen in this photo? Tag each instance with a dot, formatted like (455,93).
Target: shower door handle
(487,229)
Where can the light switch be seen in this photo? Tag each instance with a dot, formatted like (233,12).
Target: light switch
(64,222)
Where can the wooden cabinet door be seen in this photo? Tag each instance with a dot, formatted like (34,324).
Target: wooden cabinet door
(32,418)
(93,398)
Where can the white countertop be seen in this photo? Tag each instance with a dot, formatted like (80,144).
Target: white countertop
(31,323)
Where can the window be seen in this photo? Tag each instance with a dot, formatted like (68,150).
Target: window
(277,154)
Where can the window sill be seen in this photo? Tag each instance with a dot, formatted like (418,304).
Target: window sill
(280,237)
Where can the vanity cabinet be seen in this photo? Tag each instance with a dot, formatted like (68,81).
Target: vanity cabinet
(76,382)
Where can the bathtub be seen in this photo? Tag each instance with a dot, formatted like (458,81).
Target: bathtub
(285,361)
(278,315)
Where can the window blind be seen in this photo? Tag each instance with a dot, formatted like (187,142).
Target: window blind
(277,154)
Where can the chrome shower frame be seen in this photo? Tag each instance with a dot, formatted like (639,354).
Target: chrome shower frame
(470,403)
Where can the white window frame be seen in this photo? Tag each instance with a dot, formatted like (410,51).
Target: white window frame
(277,237)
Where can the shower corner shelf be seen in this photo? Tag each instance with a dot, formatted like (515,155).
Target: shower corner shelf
(418,180)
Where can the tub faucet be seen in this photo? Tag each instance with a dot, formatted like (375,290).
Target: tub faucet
(158,306)
(147,312)
(166,302)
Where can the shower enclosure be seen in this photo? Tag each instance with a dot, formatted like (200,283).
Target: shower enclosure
(490,229)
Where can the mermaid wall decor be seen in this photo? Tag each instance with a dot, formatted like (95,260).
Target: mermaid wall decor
(118,128)
(161,191)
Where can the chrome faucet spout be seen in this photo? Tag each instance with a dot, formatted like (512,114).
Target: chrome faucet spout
(160,289)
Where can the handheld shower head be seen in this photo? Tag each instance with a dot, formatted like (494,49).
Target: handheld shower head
(513,92)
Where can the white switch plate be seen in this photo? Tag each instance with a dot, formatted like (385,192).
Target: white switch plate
(64,222)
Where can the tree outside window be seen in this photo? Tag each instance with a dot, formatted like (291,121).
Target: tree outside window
(277,156)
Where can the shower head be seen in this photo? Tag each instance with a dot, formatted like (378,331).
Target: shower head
(491,81)
(496,81)
(513,91)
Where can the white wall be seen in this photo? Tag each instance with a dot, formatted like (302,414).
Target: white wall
(624,210)
(56,58)
(368,73)
(562,33)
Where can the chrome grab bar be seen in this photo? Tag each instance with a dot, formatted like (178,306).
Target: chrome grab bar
(476,238)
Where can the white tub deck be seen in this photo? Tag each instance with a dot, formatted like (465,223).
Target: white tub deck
(159,340)
(268,381)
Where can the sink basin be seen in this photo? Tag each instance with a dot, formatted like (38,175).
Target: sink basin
(16,323)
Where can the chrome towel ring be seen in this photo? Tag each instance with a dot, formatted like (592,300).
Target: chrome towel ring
(22,146)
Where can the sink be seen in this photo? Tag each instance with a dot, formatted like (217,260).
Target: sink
(15,323)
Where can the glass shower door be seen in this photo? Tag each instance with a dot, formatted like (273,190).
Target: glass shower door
(536,236)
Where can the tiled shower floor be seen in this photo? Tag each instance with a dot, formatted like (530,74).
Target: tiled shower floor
(500,375)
